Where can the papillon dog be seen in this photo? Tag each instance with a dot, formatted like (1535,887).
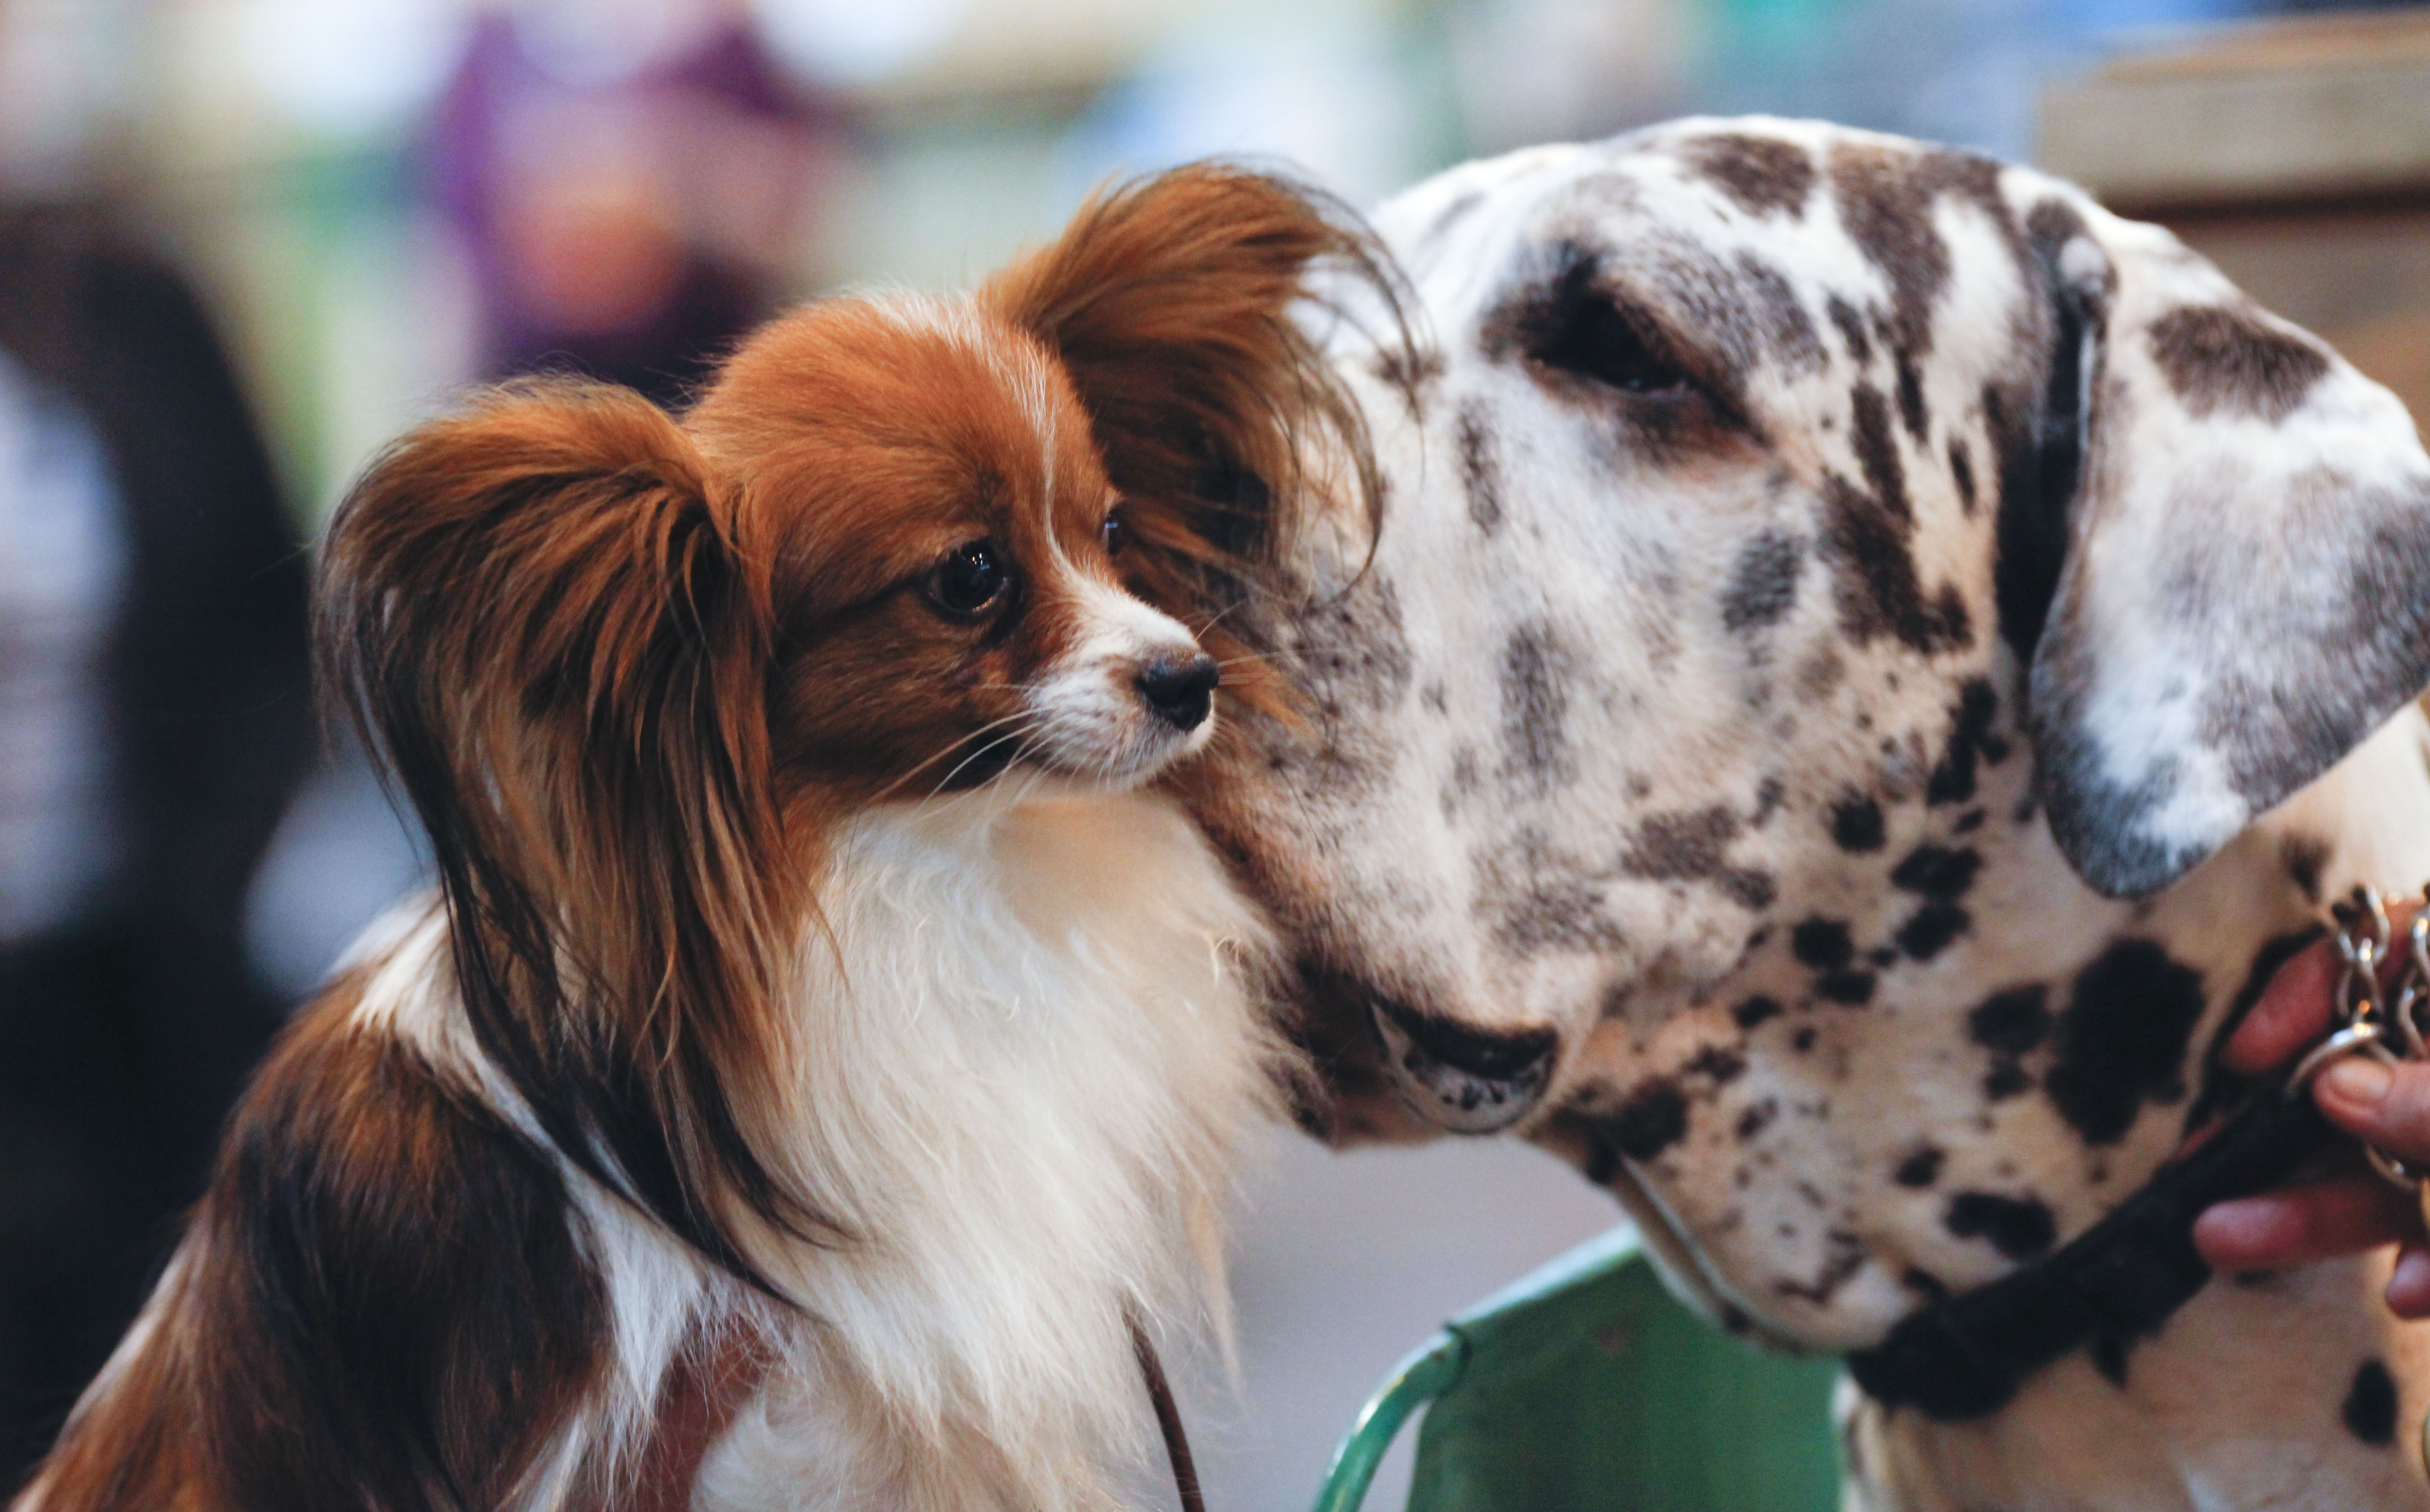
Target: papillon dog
(824,1054)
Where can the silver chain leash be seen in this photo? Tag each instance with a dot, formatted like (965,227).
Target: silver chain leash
(2388,1028)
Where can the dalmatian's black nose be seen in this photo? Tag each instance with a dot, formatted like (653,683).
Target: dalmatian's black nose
(1467,1079)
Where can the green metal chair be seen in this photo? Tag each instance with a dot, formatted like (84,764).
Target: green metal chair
(1586,1388)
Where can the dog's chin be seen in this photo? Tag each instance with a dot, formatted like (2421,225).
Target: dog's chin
(1082,771)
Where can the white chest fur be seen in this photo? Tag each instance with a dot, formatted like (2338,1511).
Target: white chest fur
(1024,1074)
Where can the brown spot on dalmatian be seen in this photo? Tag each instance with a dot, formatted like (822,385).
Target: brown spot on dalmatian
(1691,846)
(2303,856)
(1856,824)
(1412,370)
(2018,1227)
(2370,1409)
(1479,470)
(1763,585)
(2122,1041)
(1877,453)
(1885,199)
(1536,671)
(1764,176)
(1770,304)
(1922,1167)
(2224,357)
(1878,593)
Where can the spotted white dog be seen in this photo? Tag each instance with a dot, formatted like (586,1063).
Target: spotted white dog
(1832,730)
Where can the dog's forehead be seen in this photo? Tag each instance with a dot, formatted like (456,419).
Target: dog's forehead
(1750,210)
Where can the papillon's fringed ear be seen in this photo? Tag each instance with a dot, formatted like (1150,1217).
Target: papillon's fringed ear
(537,613)
(1172,302)
(2216,561)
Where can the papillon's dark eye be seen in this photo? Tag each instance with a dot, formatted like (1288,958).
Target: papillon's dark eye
(970,580)
(1114,536)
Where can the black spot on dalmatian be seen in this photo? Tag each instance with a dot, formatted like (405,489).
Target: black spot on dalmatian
(1877,452)
(2224,357)
(1961,472)
(1768,794)
(1763,585)
(2122,1041)
(2018,1227)
(1754,1011)
(1883,956)
(1970,740)
(2303,856)
(1925,1285)
(1850,323)
(2369,1409)
(1877,593)
(2005,1080)
(1850,988)
(2108,1353)
(2014,1022)
(1937,873)
(2223,1089)
(1968,823)
(1920,1169)
(1756,1119)
(1856,824)
(1821,943)
(1651,1120)
(1479,470)
(1720,1064)
(1764,175)
(1911,400)
(1803,1040)
(1536,671)
(1930,929)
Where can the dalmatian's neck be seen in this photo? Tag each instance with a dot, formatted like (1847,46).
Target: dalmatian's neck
(2038,1105)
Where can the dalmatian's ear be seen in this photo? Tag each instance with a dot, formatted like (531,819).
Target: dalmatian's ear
(2242,576)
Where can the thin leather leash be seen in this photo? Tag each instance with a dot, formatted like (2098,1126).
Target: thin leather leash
(1965,1357)
(1167,1418)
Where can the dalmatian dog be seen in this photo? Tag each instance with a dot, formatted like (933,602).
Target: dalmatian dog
(1867,663)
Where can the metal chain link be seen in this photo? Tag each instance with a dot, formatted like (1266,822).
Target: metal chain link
(2387,1027)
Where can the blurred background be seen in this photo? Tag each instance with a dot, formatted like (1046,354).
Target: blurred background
(244,241)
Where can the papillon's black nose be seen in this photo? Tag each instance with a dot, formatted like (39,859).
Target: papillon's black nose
(1181,690)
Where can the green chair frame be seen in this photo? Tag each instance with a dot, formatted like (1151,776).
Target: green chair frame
(1586,1388)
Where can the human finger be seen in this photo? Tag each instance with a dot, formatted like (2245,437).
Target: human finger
(2300,1224)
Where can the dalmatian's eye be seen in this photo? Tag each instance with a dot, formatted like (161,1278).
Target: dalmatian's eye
(1593,339)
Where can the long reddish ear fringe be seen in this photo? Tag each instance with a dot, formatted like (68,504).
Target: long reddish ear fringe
(537,615)
(1170,300)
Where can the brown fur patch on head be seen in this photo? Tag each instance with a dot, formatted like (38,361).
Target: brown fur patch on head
(1169,303)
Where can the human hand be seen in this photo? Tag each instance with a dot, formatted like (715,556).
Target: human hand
(2382,1104)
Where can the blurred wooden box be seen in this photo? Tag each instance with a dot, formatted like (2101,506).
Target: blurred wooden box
(2295,155)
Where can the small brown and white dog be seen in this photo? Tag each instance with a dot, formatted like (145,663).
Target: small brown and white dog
(824,1044)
